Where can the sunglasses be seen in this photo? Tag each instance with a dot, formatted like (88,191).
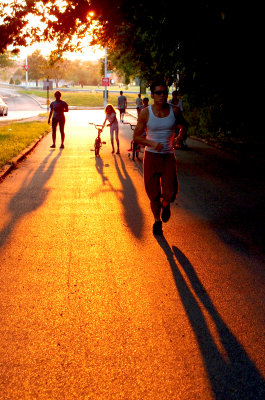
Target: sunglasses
(159,92)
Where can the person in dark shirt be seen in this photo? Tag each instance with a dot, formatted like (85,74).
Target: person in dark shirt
(57,110)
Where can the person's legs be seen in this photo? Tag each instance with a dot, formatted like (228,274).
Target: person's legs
(61,125)
(116,130)
(54,127)
(152,183)
(111,130)
(122,111)
(169,184)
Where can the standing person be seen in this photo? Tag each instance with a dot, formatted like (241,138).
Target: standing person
(145,104)
(122,105)
(139,103)
(160,165)
(57,110)
(177,102)
(114,126)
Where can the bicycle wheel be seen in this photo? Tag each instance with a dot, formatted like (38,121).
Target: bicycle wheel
(96,147)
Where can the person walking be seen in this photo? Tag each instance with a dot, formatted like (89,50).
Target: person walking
(57,110)
(139,103)
(122,105)
(114,126)
(176,101)
(160,165)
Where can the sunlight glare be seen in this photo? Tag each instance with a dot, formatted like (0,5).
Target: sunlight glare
(87,53)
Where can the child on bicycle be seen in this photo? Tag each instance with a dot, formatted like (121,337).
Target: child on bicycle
(114,126)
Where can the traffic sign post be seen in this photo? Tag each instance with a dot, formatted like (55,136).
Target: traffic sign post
(105,82)
(47,85)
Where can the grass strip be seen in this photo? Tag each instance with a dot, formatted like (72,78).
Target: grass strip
(15,137)
(85,99)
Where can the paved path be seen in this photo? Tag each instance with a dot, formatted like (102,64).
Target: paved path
(94,307)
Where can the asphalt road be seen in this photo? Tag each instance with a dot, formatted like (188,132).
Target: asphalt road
(93,306)
(20,106)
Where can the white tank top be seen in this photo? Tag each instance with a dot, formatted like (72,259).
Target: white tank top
(161,130)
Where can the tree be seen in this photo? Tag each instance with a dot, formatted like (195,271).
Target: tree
(37,66)
(84,73)
(207,42)
(5,61)
(58,70)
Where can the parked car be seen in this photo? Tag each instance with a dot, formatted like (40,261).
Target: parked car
(3,107)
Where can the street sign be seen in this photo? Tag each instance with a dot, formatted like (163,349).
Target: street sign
(26,67)
(105,81)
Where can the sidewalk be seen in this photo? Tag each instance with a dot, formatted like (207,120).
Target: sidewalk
(94,306)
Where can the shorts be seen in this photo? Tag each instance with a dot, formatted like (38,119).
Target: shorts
(122,110)
(61,123)
(160,176)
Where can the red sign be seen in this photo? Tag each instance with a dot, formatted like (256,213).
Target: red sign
(26,67)
(105,81)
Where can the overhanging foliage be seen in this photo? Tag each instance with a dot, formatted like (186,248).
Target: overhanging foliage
(212,45)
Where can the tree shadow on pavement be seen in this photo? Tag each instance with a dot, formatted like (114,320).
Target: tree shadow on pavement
(232,374)
(132,211)
(31,195)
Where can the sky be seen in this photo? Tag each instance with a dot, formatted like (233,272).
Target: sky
(89,54)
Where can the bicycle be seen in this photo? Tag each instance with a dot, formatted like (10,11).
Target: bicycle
(135,148)
(98,142)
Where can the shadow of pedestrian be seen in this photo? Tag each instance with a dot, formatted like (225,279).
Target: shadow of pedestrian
(232,374)
(31,195)
(132,211)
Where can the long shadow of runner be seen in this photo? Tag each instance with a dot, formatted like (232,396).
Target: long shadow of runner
(233,376)
(132,211)
(31,195)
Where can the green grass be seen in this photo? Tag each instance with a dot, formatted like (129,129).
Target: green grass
(85,99)
(16,136)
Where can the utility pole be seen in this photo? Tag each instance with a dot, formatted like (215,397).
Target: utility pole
(27,74)
(48,89)
(105,75)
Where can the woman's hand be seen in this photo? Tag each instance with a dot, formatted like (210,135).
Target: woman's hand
(157,146)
